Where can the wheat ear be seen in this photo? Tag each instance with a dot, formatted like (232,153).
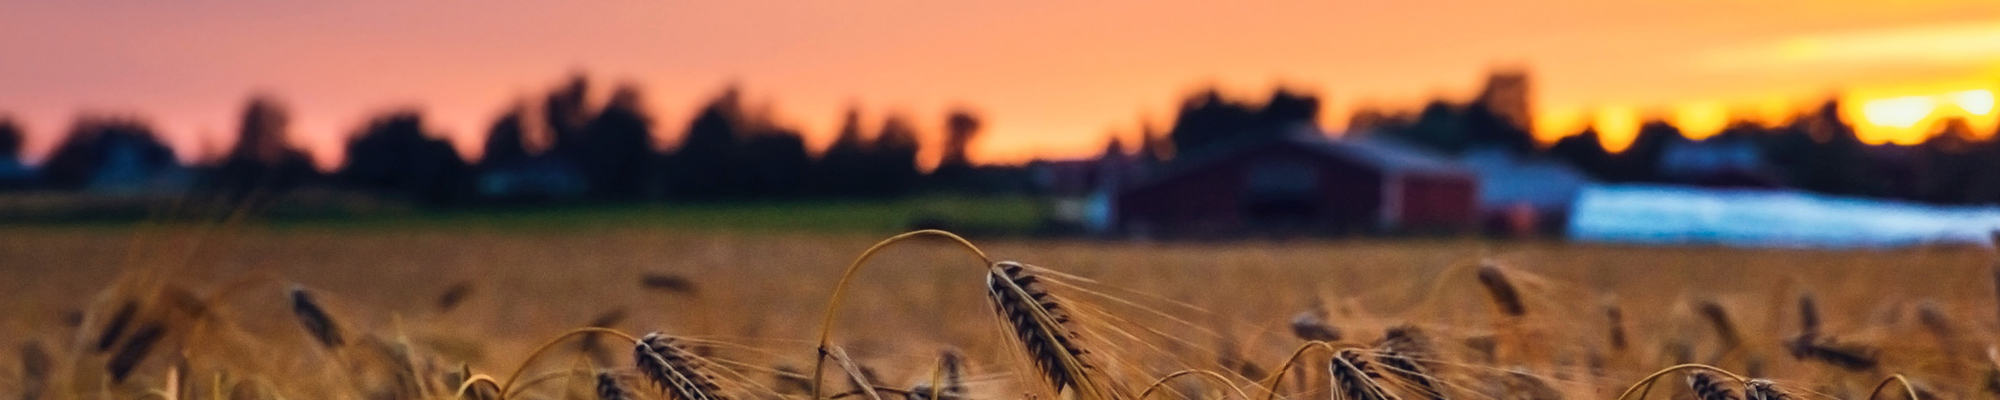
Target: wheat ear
(1707,387)
(677,372)
(1505,296)
(1042,325)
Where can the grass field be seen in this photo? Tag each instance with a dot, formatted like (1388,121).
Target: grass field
(750,301)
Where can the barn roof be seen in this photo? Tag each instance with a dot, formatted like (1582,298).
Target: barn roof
(1385,155)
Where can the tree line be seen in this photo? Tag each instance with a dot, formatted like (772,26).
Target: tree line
(1816,150)
(558,147)
(562,146)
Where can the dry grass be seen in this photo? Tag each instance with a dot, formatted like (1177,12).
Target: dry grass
(398,314)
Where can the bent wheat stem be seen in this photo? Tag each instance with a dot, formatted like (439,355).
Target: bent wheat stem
(1647,383)
(833,304)
(1907,389)
(1271,388)
(545,348)
(1211,375)
(467,385)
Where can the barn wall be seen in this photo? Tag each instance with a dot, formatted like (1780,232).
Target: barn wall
(1202,200)
(1214,200)
(1352,196)
(1434,203)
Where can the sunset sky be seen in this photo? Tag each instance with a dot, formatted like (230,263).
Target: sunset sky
(1053,79)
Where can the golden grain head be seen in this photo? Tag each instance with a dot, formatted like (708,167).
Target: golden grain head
(1040,322)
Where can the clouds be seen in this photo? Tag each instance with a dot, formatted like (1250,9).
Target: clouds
(1972,43)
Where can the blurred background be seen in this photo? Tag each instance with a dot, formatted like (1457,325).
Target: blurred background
(1830,123)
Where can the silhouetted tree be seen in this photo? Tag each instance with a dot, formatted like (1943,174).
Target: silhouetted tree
(395,155)
(1208,118)
(1585,151)
(1154,147)
(894,166)
(506,141)
(1954,167)
(961,126)
(263,157)
(1438,127)
(1288,107)
(704,166)
(1640,162)
(14,173)
(565,113)
(1820,152)
(10,139)
(616,149)
(107,153)
(1485,128)
(775,163)
(844,168)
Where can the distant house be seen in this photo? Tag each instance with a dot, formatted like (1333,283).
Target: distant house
(130,166)
(536,178)
(15,174)
(1717,162)
(1749,217)
(1079,191)
(1304,182)
(1522,195)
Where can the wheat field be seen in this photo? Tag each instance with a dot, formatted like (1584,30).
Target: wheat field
(206,312)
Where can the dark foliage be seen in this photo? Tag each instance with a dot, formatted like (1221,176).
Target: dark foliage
(395,155)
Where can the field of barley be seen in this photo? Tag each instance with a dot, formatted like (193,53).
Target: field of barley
(383,313)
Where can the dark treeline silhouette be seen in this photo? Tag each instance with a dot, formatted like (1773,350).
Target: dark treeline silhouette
(1816,151)
(263,156)
(395,154)
(109,153)
(564,146)
(728,150)
(574,143)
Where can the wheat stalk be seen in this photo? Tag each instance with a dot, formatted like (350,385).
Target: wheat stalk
(860,378)
(1809,322)
(1725,329)
(135,350)
(1041,324)
(1210,375)
(315,319)
(847,276)
(452,296)
(1934,319)
(1505,297)
(36,368)
(1309,326)
(1404,352)
(608,387)
(1761,389)
(1615,318)
(677,372)
(1707,387)
(113,329)
(1353,379)
(947,381)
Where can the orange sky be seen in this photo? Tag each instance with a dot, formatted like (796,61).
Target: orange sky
(1052,78)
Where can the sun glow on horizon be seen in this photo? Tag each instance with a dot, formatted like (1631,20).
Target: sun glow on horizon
(1617,127)
(1911,119)
(1901,116)
(1899,112)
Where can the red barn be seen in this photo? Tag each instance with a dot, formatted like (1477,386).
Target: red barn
(1304,183)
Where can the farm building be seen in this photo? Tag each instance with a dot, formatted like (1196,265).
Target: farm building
(1300,183)
(1522,195)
